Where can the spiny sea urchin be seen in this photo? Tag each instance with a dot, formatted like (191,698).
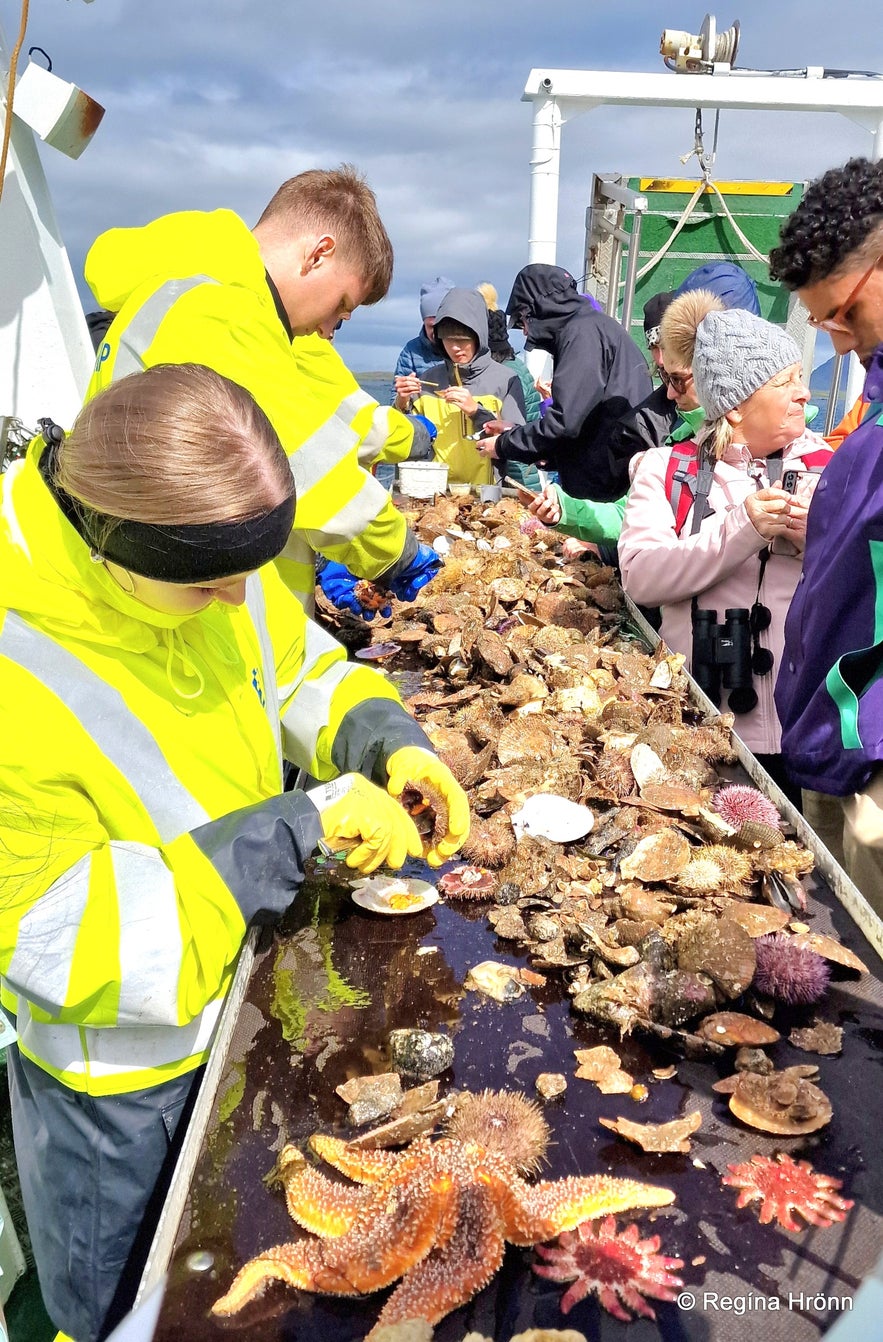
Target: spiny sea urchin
(504,1122)
(491,842)
(428,808)
(789,972)
(715,869)
(737,803)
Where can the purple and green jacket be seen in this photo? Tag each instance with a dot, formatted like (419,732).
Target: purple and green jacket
(829,694)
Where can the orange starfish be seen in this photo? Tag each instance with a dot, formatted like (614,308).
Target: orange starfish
(437,1215)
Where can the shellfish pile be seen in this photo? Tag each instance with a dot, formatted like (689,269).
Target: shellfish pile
(533,684)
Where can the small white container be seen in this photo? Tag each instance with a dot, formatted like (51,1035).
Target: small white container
(423,479)
(490,493)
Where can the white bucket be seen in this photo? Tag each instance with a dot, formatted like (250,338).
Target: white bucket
(423,479)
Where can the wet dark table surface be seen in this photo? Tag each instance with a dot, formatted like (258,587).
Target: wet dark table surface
(322,1000)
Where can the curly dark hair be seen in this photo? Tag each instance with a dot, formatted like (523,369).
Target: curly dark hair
(840,212)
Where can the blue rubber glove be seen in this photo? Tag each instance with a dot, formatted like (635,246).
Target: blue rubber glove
(421,570)
(339,586)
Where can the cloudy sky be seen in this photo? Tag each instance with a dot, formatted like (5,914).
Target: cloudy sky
(214,102)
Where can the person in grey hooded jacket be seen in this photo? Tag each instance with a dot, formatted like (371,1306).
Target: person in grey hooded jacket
(465,390)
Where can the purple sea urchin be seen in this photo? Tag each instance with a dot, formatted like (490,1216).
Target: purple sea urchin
(737,803)
(789,972)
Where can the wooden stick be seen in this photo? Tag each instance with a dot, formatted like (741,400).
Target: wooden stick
(522,489)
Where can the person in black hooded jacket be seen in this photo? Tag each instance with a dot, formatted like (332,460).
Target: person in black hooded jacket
(599,375)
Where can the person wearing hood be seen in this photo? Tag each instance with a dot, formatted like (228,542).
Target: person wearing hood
(466,391)
(260,305)
(156,673)
(420,353)
(599,375)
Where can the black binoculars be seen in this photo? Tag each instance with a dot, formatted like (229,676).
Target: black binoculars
(722,655)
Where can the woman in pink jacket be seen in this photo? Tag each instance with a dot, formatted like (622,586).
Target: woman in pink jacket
(714,534)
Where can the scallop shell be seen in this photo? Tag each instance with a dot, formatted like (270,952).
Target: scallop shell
(829,949)
(785,1103)
(548,816)
(658,857)
(735,1030)
(393,895)
(757,919)
(377,651)
(647,766)
(723,951)
(672,797)
(525,739)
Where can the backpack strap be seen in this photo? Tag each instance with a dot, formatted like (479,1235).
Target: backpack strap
(815,462)
(680,478)
(688,484)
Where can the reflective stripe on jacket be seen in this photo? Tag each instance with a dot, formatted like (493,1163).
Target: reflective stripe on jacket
(384,433)
(127,735)
(191,288)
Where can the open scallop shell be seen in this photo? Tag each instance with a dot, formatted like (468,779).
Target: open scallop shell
(548,816)
(393,895)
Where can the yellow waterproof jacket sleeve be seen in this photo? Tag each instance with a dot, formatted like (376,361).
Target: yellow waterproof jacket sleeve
(384,433)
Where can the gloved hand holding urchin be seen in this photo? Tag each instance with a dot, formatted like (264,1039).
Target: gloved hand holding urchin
(347,592)
(353,809)
(422,782)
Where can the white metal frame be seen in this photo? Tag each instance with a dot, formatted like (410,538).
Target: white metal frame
(46,354)
(560,95)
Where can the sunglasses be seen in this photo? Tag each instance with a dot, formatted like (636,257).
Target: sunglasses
(838,321)
(678,381)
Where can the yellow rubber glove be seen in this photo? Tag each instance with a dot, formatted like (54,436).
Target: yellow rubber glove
(412,764)
(353,808)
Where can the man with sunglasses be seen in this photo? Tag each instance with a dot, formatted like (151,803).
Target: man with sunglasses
(829,694)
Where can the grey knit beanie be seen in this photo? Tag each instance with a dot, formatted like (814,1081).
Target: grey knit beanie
(736,353)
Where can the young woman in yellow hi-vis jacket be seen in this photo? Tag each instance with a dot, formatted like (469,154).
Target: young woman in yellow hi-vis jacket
(151,684)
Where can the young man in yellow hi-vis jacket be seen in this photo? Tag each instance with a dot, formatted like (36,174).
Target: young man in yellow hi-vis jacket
(204,288)
(155,674)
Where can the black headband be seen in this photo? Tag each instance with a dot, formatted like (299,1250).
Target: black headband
(184,554)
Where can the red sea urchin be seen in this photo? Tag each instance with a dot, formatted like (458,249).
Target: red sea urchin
(738,803)
(789,972)
(784,1186)
(621,1269)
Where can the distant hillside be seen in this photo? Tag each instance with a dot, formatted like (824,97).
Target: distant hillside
(820,386)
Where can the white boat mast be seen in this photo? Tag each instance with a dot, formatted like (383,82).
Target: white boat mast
(46,355)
